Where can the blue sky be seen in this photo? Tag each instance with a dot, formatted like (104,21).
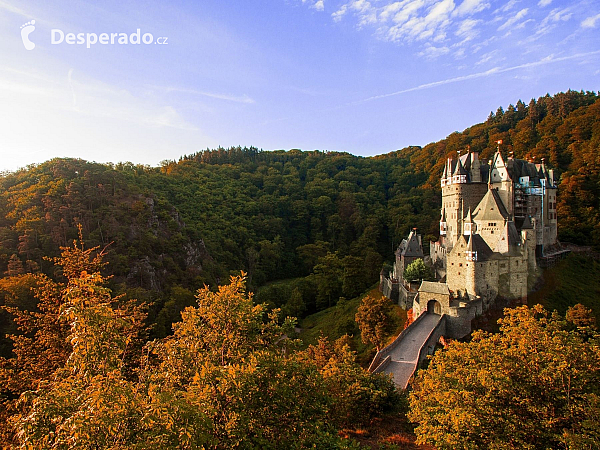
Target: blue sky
(367,77)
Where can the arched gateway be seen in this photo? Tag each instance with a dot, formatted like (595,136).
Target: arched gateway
(434,307)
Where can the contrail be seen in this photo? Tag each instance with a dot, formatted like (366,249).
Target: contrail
(547,60)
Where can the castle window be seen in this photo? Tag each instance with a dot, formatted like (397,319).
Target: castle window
(459,273)
(460,265)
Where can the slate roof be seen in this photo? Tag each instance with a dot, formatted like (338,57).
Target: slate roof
(491,207)
(413,246)
(527,224)
(466,160)
(518,168)
(477,244)
(460,169)
(434,288)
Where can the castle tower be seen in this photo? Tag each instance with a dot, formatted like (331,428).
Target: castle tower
(462,189)
(471,263)
(501,181)
(475,167)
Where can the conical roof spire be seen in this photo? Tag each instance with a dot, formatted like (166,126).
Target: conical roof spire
(460,169)
(470,244)
(469,218)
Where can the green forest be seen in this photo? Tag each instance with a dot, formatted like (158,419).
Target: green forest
(115,280)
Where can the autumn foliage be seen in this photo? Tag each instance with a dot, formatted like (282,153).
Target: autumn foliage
(231,375)
(536,384)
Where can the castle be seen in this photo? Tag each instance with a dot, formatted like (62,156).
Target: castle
(498,218)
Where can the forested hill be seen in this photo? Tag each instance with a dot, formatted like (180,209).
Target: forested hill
(332,218)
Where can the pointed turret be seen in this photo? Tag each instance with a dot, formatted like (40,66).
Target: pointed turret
(443,224)
(470,226)
(444,175)
(470,253)
(460,174)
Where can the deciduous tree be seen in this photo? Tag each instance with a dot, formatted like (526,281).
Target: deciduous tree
(533,385)
(374,318)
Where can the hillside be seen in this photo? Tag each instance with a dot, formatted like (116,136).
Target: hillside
(311,231)
(328,220)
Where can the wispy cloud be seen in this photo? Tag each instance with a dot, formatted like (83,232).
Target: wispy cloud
(230,98)
(514,19)
(555,16)
(494,71)
(4,5)
(590,22)
(432,52)
(438,28)
(510,5)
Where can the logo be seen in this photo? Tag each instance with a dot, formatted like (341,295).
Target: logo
(26,30)
(89,39)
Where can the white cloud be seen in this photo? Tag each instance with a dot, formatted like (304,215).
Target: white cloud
(411,26)
(432,52)
(466,29)
(429,22)
(468,7)
(557,15)
(487,57)
(340,13)
(590,22)
(459,54)
(550,22)
(510,5)
(366,13)
(522,13)
(432,25)
(390,10)
(318,5)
